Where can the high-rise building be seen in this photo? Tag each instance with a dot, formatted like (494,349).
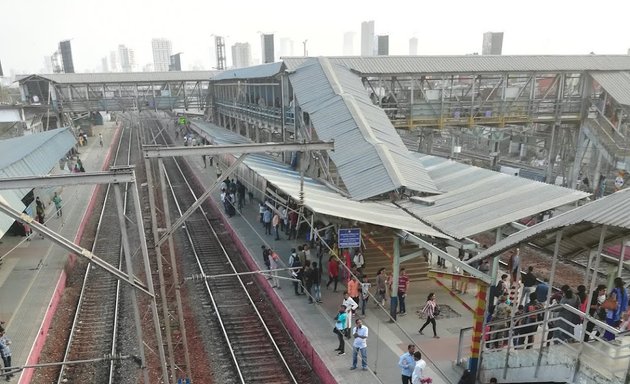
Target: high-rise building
(147,67)
(492,43)
(66,56)
(382,45)
(113,61)
(176,62)
(286,47)
(241,55)
(367,38)
(104,66)
(127,58)
(1,73)
(219,47)
(48,66)
(267,48)
(348,44)
(413,46)
(162,50)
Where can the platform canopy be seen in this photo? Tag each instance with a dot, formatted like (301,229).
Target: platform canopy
(30,155)
(317,196)
(581,228)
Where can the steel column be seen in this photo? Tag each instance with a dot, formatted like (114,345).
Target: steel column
(129,265)
(158,256)
(545,325)
(176,281)
(622,256)
(147,271)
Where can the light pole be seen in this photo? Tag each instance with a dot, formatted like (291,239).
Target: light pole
(304,44)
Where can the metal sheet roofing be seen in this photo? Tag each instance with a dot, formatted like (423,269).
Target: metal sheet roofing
(121,77)
(477,200)
(317,196)
(473,63)
(30,155)
(254,72)
(581,227)
(369,154)
(617,84)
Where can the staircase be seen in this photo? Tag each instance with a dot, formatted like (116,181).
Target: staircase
(609,142)
(379,252)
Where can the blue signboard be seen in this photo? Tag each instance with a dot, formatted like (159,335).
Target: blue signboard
(349,237)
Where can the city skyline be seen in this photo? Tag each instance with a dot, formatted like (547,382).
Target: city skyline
(136,27)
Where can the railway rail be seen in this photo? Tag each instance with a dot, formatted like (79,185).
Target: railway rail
(248,337)
(94,332)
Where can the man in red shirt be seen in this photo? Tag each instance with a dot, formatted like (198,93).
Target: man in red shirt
(403,285)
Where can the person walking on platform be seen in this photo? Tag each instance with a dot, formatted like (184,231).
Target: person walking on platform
(418,369)
(317,282)
(381,288)
(333,272)
(40,211)
(267,221)
(274,260)
(100,139)
(266,253)
(58,204)
(529,285)
(340,326)
(5,351)
(275,223)
(403,286)
(407,363)
(351,306)
(360,333)
(431,310)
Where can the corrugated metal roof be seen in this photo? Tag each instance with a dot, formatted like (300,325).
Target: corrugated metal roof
(477,200)
(580,233)
(317,196)
(370,155)
(474,63)
(30,155)
(254,72)
(617,84)
(121,77)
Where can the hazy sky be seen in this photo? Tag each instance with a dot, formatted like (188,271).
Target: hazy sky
(31,29)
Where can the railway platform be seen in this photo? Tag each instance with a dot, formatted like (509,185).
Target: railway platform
(387,340)
(32,275)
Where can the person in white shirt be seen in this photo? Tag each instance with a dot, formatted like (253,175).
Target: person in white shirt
(418,370)
(360,333)
(358,259)
(351,306)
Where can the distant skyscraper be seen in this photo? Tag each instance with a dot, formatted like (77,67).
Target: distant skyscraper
(1,73)
(267,48)
(286,47)
(127,58)
(176,62)
(147,68)
(219,47)
(241,55)
(104,66)
(66,56)
(382,45)
(113,61)
(413,46)
(492,43)
(162,50)
(348,44)
(48,67)
(367,38)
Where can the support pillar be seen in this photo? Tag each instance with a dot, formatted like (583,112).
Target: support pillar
(545,325)
(478,327)
(175,273)
(134,298)
(147,271)
(622,256)
(395,273)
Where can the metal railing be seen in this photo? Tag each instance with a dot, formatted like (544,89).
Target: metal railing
(510,339)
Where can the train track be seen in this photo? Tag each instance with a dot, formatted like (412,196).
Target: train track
(94,329)
(249,343)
